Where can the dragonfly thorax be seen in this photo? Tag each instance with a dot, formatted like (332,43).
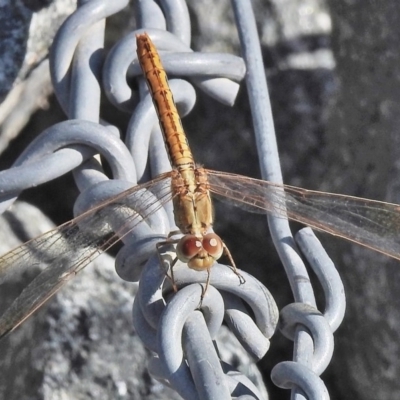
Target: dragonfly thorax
(200,253)
(192,203)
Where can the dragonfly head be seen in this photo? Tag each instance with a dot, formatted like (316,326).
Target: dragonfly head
(200,253)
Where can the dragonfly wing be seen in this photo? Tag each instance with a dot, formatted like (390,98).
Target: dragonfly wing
(63,252)
(370,223)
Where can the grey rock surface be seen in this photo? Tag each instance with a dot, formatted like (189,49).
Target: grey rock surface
(27,29)
(363,138)
(81,344)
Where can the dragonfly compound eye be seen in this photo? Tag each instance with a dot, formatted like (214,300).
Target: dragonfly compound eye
(213,245)
(188,247)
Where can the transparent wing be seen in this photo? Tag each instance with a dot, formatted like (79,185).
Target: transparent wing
(64,251)
(370,223)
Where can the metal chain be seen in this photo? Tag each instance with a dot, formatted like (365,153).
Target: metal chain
(301,375)
(180,334)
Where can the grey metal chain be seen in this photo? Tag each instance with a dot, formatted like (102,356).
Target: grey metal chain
(76,65)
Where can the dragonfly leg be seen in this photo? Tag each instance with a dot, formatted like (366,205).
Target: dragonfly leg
(172,233)
(171,276)
(204,291)
(207,282)
(229,255)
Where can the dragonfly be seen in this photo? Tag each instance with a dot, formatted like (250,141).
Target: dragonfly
(64,251)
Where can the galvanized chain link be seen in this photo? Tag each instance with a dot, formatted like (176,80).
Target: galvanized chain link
(301,375)
(181,335)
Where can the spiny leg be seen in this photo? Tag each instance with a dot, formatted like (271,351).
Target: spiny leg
(171,278)
(229,255)
(205,288)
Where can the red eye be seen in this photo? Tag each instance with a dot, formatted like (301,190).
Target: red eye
(188,247)
(213,245)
